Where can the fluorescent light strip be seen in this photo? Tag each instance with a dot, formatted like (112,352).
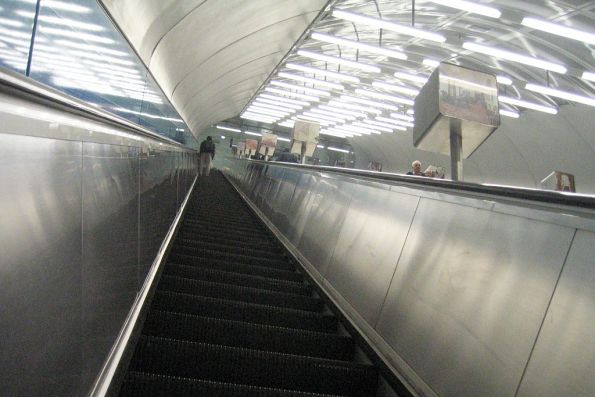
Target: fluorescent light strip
(76,35)
(256,118)
(476,87)
(471,7)
(561,94)
(340,61)
(262,116)
(509,113)
(385,97)
(395,88)
(320,146)
(588,76)
(378,123)
(400,117)
(328,73)
(333,133)
(221,127)
(337,149)
(431,62)
(359,130)
(333,114)
(341,132)
(10,22)
(559,30)
(149,115)
(322,83)
(324,117)
(403,122)
(279,138)
(307,90)
(316,119)
(252,133)
(292,94)
(341,104)
(280,105)
(503,80)
(288,124)
(333,109)
(528,105)
(411,77)
(285,100)
(358,45)
(379,23)
(410,111)
(514,57)
(273,107)
(256,109)
(373,127)
(368,102)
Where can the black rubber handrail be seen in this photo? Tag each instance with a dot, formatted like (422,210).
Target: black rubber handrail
(509,192)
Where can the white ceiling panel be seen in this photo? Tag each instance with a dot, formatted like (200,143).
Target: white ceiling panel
(210,57)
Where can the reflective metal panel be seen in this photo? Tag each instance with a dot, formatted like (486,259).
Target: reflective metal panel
(110,247)
(327,211)
(300,207)
(284,198)
(40,262)
(469,295)
(563,361)
(369,245)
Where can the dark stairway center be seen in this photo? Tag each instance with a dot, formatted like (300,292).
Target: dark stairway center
(232,316)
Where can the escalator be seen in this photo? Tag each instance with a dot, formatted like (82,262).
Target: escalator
(233,317)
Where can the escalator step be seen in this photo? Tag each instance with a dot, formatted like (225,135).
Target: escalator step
(140,384)
(235,267)
(237,293)
(252,367)
(248,335)
(241,311)
(244,280)
(230,257)
(233,247)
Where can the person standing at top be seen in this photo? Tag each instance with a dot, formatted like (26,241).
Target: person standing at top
(206,154)
(287,157)
(416,169)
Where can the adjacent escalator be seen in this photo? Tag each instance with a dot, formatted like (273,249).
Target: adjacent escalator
(233,317)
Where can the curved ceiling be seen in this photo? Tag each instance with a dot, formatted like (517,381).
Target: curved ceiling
(211,57)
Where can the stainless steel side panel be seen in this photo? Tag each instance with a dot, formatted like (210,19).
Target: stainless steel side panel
(40,266)
(110,247)
(563,361)
(299,208)
(469,295)
(326,213)
(369,245)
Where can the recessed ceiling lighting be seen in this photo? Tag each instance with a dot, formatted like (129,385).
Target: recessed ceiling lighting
(559,30)
(340,61)
(528,105)
(358,45)
(471,7)
(322,83)
(324,72)
(561,94)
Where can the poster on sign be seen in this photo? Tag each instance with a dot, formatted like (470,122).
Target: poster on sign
(305,131)
(268,144)
(251,146)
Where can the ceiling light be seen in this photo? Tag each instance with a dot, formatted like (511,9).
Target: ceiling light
(509,113)
(273,107)
(561,94)
(337,149)
(70,22)
(396,88)
(278,103)
(382,24)
(252,133)
(324,117)
(267,112)
(288,124)
(511,56)
(256,118)
(360,46)
(63,6)
(307,90)
(334,133)
(360,130)
(403,123)
(340,61)
(588,76)
(321,83)
(223,137)
(283,139)
(410,111)
(503,80)
(351,106)
(386,97)
(10,22)
(320,146)
(528,105)
(76,35)
(402,117)
(374,127)
(380,124)
(90,47)
(368,102)
(292,94)
(284,100)
(471,7)
(328,73)
(431,62)
(553,28)
(345,133)
(333,114)
(342,111)
(308,118)
(149,115)
(411,77)
(221,127)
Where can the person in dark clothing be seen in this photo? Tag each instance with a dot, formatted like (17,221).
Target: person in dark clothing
(207,154)
(287,157)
